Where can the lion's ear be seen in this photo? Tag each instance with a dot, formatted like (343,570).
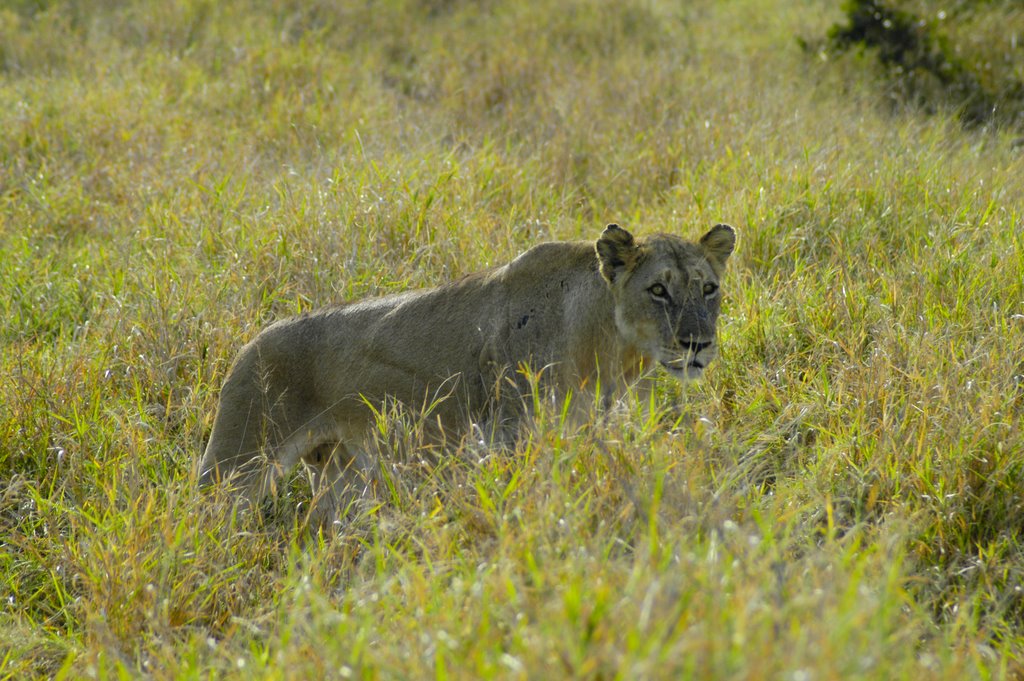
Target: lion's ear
(718,243)
(617,252)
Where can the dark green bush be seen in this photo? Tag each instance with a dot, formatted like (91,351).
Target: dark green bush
(967,58)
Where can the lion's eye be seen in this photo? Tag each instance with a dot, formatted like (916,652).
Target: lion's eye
(710,288)
(658,291)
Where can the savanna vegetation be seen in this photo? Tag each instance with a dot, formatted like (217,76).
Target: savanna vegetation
(841,497)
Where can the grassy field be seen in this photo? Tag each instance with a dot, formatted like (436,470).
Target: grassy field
(841,497)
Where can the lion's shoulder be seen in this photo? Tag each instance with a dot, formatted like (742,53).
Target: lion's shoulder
(544,264)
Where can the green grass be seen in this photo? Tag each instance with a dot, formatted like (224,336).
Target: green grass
(841,497)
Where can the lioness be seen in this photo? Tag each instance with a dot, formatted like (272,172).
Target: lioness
(585,314)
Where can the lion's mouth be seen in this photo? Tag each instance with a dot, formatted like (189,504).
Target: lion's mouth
(680,368)
(679,364)
(688,360)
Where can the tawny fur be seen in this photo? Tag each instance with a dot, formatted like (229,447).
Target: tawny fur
(587,314)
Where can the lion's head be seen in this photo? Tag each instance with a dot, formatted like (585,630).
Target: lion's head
(666,293)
